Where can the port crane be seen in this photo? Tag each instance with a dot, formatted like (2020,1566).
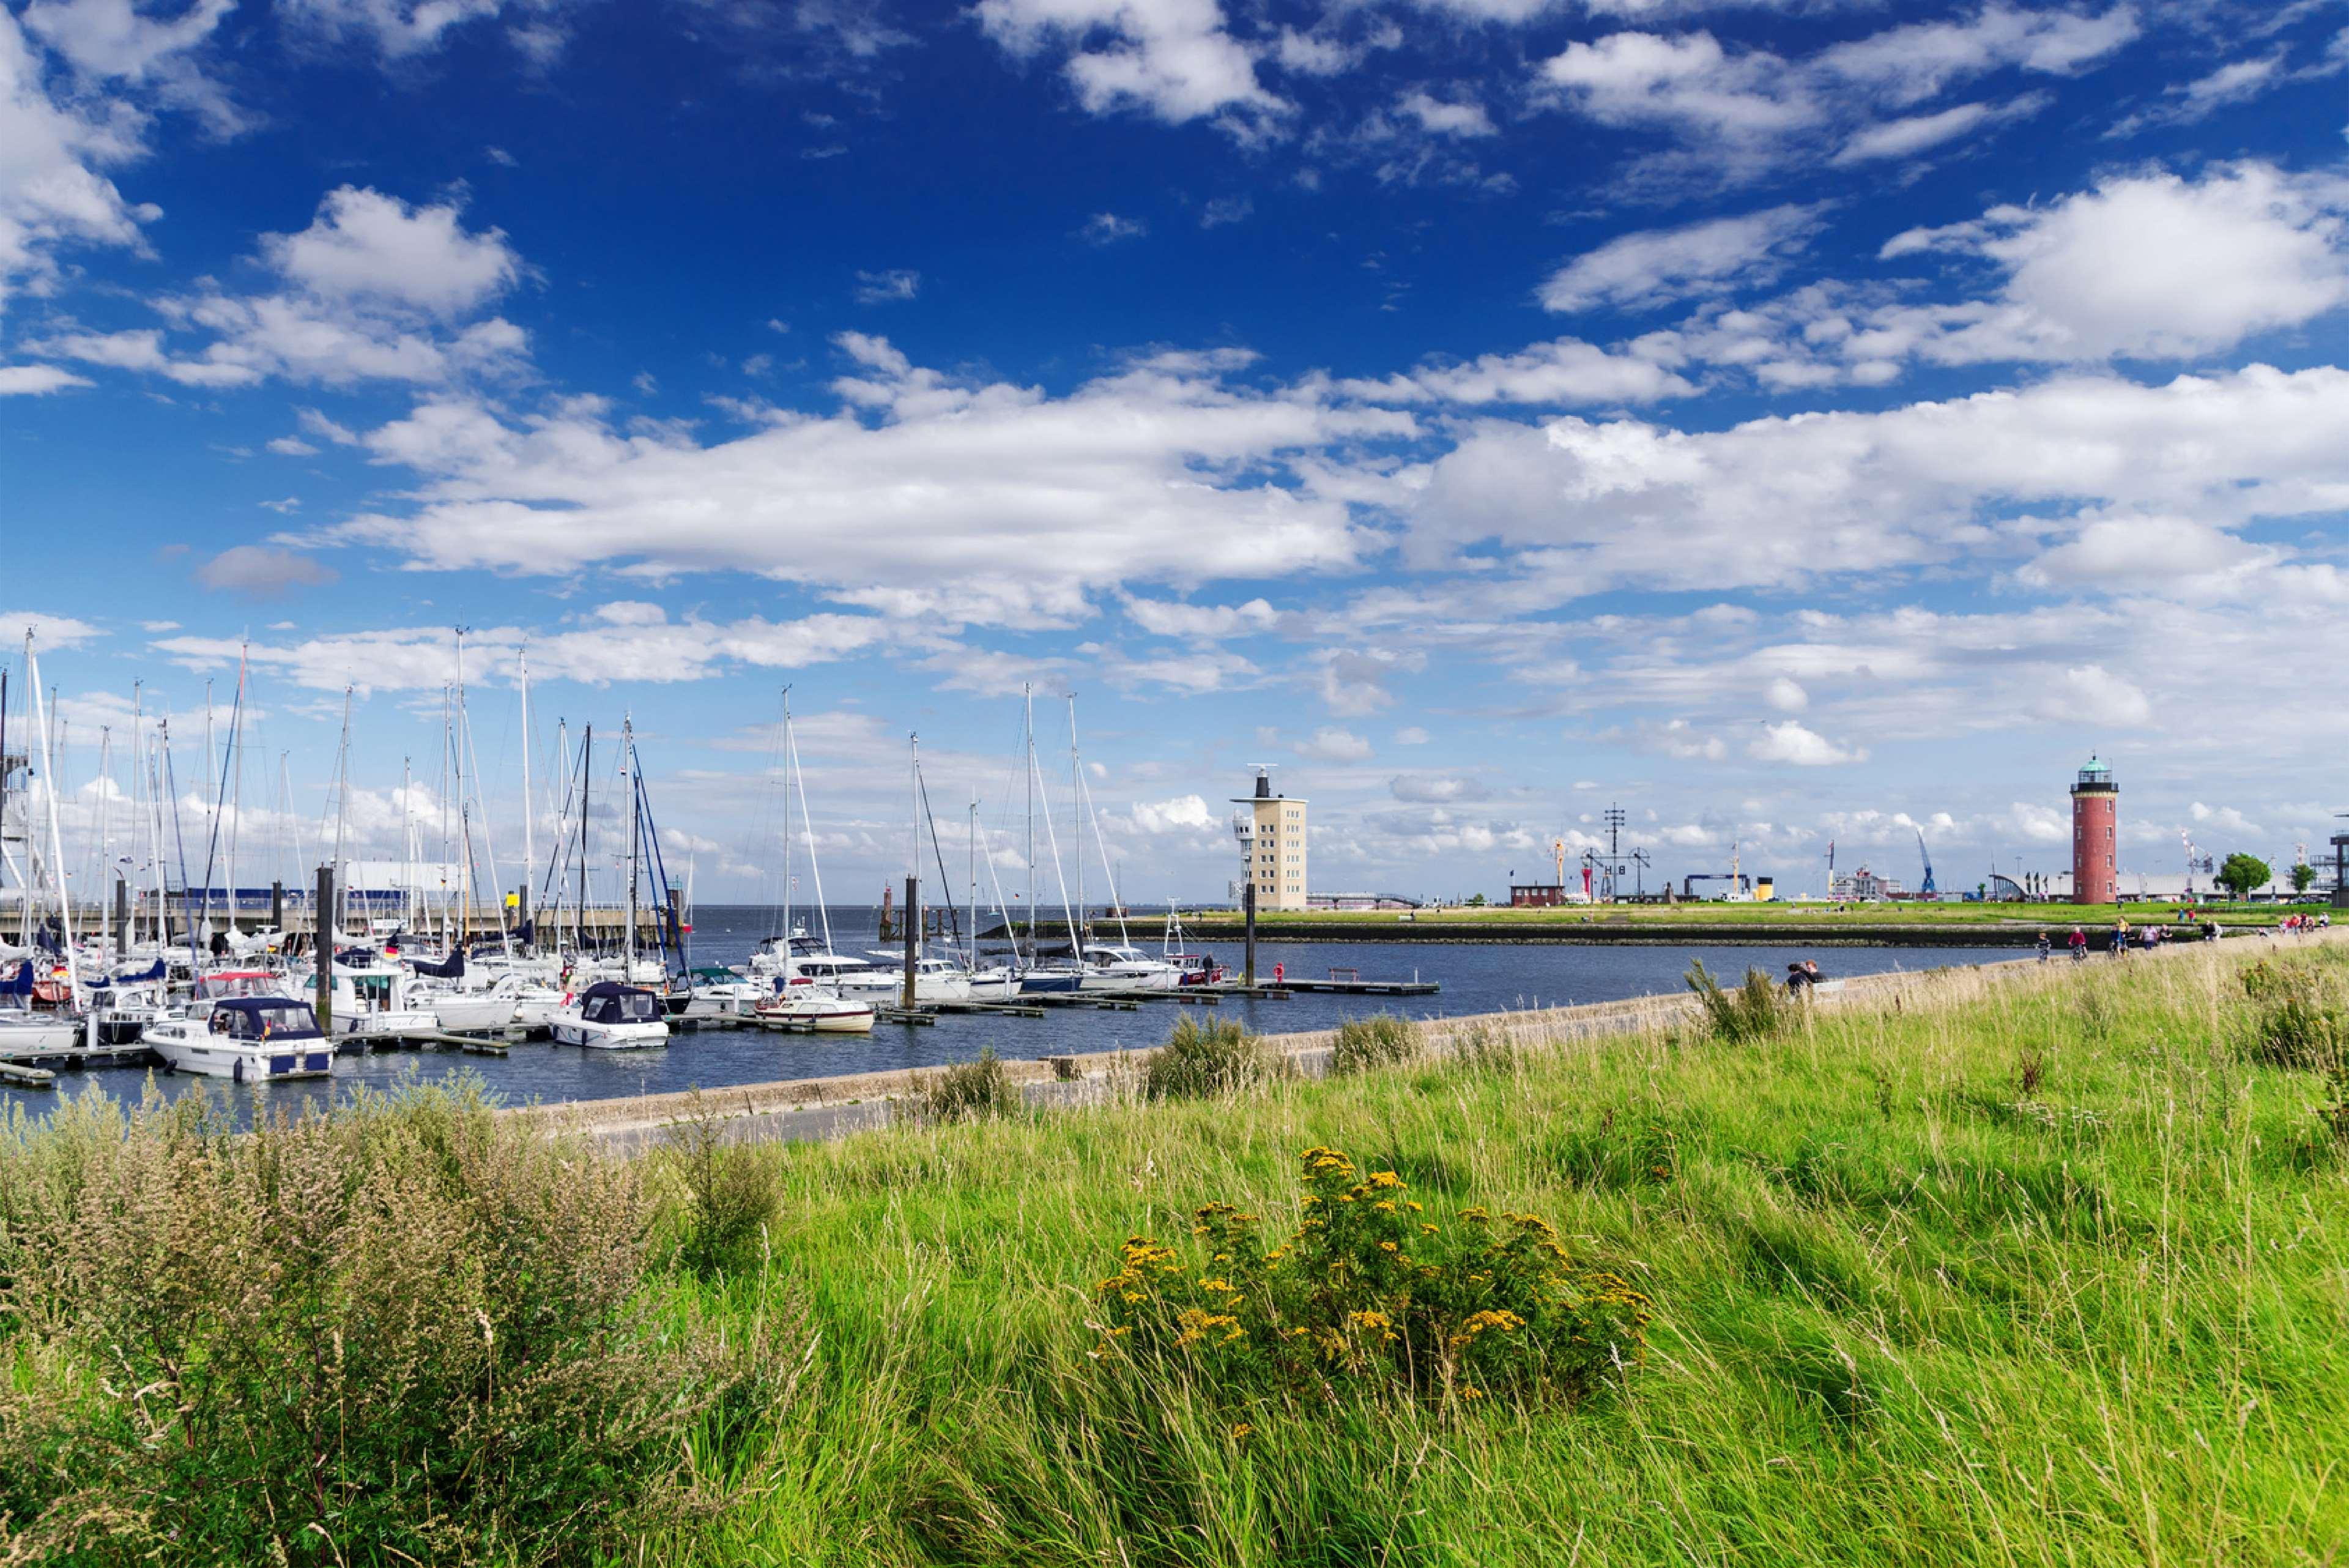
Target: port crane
(1927,890)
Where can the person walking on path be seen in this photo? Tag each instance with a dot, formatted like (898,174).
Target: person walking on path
(2043,947)
(2079,944)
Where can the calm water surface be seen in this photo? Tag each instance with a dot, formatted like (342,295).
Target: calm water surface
(1474,977)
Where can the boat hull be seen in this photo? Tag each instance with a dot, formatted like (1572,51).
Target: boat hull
(242,1062)
(574,1031)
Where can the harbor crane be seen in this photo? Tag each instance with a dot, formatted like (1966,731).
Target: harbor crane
(1927,890)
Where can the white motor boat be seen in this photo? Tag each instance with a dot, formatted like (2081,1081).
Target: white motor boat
(249,1039)
(803,1004)
(715,996)
(1113,966)
(379,1001)
(935,979)
(609,1016)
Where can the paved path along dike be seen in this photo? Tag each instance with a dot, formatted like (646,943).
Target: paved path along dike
(809,1108)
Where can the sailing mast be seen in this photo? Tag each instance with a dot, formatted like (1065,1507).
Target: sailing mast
(327,922)
(790,880)
(56,833)
(1076,813)
(236,771)
(488,839)
(807,822)
(1100,842)
(914,816)
(636,836)
(1028,699)
(529,807)
(587,761)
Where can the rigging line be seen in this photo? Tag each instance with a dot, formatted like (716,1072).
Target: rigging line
(807,824)
(954,913)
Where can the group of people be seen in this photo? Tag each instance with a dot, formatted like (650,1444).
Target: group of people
(2301,925)
(2123,938)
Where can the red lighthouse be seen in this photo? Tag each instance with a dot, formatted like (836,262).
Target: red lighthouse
(2095,818)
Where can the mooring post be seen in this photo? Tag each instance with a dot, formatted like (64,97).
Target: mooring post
(322,946)
(913,928)
(277,907)
(1248,914)
(121,917)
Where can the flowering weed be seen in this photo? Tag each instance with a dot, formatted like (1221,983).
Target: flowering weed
(1371,1293)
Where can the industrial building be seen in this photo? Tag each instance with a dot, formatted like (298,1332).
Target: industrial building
(1271,830)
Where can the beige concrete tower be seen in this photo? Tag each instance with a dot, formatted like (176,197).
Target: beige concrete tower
(1271,830)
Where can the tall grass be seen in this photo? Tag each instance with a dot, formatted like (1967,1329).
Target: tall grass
(411,1332)
(2040,1273)
(1903,1312)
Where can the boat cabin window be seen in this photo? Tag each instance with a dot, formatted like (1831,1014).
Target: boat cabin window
(630,1007)
(264,1021)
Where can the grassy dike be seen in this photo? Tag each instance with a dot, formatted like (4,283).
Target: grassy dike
(2040,1267)
(1906,924)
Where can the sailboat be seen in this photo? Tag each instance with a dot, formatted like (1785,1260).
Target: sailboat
(793,963)
(1108,966)
(613,1015)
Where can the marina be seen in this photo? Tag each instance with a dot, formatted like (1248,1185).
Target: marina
(722,1053)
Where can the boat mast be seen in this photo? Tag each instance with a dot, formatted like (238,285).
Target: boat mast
(807,822)
(529,807)
(138,781)
(972,938)
(790,880)
(447,940)
(489,839)
(1028,697)
(464,807)
(1077,822)
(914,803)
(636,834)
(56,833)
(406,839)
(106,836)
(587,761)
(237,771)
(1101,841)
(327,921)
(211,817)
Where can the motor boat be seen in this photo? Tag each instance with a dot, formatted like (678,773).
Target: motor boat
(1113,966)
(374,1000)
(610,1016)
(803,1004)
(249,1039)
(715,996)
(935,981)
(1195,969)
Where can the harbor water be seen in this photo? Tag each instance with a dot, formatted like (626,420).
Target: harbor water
(1475,978)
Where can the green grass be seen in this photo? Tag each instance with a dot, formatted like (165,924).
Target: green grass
(1905,1311)
(2052,1270)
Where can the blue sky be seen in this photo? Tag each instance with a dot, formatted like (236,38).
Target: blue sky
(1796,420)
